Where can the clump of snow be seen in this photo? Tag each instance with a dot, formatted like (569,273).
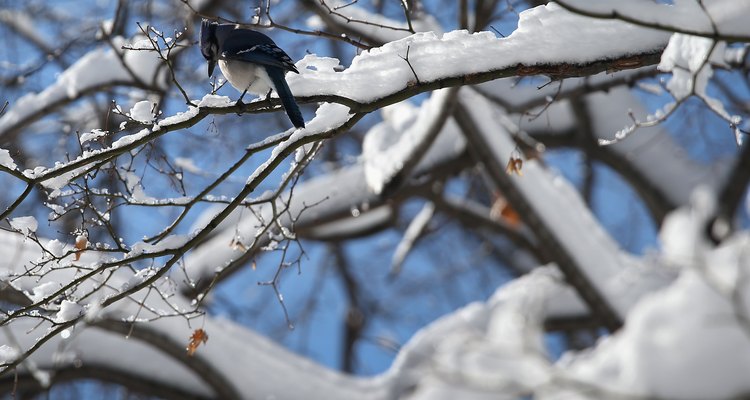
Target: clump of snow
(68,311)
(43,291)
(125,140)
(56,247)
(25,225)
(690,60)
(142,44)
(688,340)
(683,232)
(497,345)
(177,118)
(93,135)
(6,160)
(312,62)
(93,311)
(386,150)
(314,22)
(8,354)
(687,58)
(168,243)
(105,28)
(327,116)
(214,100)
(187,164)
(142,111)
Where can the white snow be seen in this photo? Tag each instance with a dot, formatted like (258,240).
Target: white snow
(709,17)
(99,67)
(545,35)
(177,118)
(43,291)
(168,243)
(187,164)
(213,100)
(93,135)
(413,231)
(68,310)
(689,340)
(389,146)
(328,116)
(142,112)
(135,188)
(690,60)
(6,160)
(7,354)
(25,225)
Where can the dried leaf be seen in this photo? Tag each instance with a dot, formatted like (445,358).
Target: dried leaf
(514,166)
(502,210)
(82,242)
(199,336)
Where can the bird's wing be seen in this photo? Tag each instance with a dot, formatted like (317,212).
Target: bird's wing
(263,54)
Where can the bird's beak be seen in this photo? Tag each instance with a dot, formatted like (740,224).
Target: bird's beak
(211,66)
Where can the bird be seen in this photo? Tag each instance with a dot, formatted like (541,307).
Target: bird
(251,62)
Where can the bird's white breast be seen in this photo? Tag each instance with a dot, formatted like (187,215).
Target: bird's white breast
(246,76)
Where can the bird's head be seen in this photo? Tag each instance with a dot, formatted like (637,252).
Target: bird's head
(209,44)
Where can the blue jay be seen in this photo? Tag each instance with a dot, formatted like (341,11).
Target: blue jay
(251,62)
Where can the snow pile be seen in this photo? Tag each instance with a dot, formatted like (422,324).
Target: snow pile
(391,144)
(690,60)
(93,135)
(142,112)
(6,160)
(484,349)
(689,340)
(25,225)
(707,17)
(42,291)
(69,310)
(544,36)
(7,354)
(170,242)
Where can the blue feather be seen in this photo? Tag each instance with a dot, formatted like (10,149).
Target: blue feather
(287,99)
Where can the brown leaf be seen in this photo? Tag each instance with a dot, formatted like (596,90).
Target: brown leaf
(82,243)
(502,210)
(514,166)
(199,336)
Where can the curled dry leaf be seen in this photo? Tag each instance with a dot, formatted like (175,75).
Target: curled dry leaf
(502,211)
(82,243)
(199,336)
(514,166)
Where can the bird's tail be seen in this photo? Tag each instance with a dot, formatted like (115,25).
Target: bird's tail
(287,99)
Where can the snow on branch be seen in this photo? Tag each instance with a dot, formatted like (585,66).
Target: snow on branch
(714,19)
(588,256)
(101,67)
(537,47)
